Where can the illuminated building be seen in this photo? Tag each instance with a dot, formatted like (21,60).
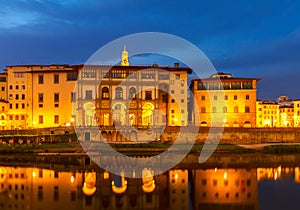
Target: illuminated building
(267,114)
(131,95)
(286,116)
(226,189)
(39,95)
(296,113)
(224,100)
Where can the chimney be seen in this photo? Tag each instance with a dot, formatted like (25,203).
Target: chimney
(176,65)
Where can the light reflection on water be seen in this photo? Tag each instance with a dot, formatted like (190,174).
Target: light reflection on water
(252,188)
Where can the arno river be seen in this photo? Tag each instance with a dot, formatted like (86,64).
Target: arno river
(225,181)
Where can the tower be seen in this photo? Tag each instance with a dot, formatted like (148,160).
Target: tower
(124,61)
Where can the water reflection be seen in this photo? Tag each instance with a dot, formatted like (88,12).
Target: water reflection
(33,188)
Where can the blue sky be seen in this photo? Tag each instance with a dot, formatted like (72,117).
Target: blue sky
(246,38)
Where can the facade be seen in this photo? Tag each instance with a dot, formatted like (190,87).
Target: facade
(39,95)
(223,100)
(131,95)
(267,114)
(296,113)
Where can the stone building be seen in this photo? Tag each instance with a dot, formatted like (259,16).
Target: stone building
(223,100)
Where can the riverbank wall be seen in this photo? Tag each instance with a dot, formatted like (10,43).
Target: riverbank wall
(188,134)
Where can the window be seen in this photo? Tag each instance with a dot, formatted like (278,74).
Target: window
(19,75)
(226,85)
(182,100)
(201,86)
(132,93)
(41,119)
(214,86)
(235,85)
(214,109)
(119,93)
(55,78)
(41,106)
(182,83)
(203,110)
(173,101)
(247,85)
(236,109)
(17,96)
(105,93)
(202,98)
(181,91)
(17,87)
(10,87)
(73,96)
(3,108)
(72,76)
(23,106)
(177,76)
(41,97)
(172,91)
(225,109)
(23,87)
(23,96)
(226,97)
(10,96)
(88,94)
(235,97)
(41,79)
(247,109)
(56,119)
(89,73)
(172,111)
(56,105)
(215,98)
(17,106)
(56,97)
(2,88)
(10,106)
(17,117)
(247,97)
(148,95)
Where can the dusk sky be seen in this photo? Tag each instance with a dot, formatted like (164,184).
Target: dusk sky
(246,38)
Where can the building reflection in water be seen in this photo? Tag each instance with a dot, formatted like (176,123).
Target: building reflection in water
(43,189)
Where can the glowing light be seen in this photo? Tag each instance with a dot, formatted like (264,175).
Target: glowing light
(216,170)
(72,120)
(276,175)
(267,122)
(34,122)
(33,174)
(68,124)
(225,175)
(176,176)
(106,175)
(72,179)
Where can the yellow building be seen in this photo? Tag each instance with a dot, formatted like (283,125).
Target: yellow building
(40,95)
(131,95)
(267,114)
(224,100)
(296,113)
(286,116)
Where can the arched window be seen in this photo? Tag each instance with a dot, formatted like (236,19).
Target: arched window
(202,98)
(247,97)
(105,93)
(247,109)
(225,109)
(2,117)
(132,93)
(235,97)
(17,117)
(214,109)
(226,97)
(236,109)
(119,93)
(203,110)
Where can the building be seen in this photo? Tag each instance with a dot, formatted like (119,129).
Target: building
(223,100)
(267,114)
(127,95)
(297,113)
(39,95)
